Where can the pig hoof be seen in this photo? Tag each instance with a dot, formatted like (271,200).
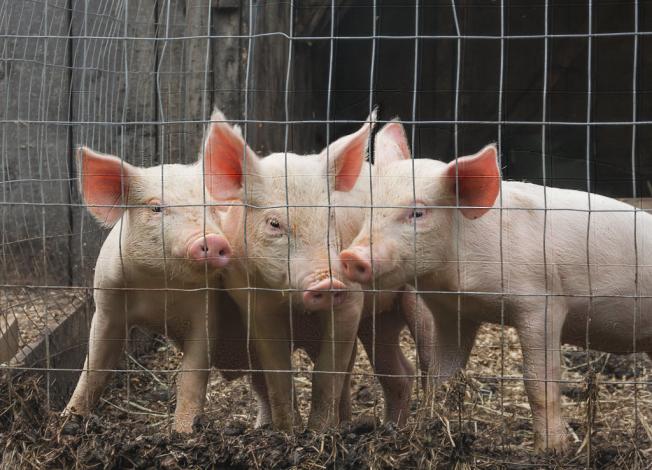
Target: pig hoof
(557,443)
(72,411)
(184,426)
(263,420)
(71,427)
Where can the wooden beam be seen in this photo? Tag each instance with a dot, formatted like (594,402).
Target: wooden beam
(8,338)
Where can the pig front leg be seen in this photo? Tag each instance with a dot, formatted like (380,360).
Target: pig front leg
(313,350)
(272,344)
(541,346)
(345,399)
(264,414)
(192,380)
(335,355)
(105,344)
(421,324)
(387,359)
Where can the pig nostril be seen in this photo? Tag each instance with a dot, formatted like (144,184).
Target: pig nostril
(204,248)
(222,252)
(362,269)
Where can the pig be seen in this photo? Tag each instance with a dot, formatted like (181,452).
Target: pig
(158,268)
(294,215)
(558,265)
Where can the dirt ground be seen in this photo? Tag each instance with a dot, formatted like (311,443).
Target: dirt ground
(478,421)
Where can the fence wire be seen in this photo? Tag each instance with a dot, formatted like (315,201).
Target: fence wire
(563,91)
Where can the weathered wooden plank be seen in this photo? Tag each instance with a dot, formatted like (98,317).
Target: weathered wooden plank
(113,84)
(60,351)
(171,24)
(8,338)
(644,203)
(229,59)
(267,76)
(198,68)
(34,140)
(62,346)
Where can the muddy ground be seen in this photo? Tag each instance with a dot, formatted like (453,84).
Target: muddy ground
(480,421)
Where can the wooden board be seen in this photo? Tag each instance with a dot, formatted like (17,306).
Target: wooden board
(640,202)
(8,338)
(64,346)
(60,352)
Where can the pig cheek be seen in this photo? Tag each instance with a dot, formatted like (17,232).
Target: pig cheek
(141,240)
(267,255)
(274,264)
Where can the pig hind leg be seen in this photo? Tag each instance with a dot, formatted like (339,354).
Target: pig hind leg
(539,330)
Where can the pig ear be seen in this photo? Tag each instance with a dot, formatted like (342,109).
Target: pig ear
(476,178)
(104,184)
(226,159)
(347,154)
(391,144)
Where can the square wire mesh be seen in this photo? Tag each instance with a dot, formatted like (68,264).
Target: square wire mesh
(561,88)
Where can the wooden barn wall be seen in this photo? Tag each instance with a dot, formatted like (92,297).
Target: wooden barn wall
(68,78)
(35,160)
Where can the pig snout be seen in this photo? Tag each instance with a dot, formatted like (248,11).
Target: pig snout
(322,294)
(212,249)
(356,265)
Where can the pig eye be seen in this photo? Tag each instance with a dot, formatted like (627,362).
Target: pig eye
(274,226)
(155,206)
(274,223)
(417,214)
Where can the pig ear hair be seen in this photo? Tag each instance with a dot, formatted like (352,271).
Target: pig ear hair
(476,178)
(391,144)
(348,153)
(225,157)
(104,184)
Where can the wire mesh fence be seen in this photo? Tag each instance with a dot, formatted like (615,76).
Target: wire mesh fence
(186,252)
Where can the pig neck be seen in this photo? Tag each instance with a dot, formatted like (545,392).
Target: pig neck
(448,248)
(232,222)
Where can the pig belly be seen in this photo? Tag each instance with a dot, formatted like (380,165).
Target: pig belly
(170,315)
(612,323)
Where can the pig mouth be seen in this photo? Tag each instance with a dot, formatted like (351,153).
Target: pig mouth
(323,292)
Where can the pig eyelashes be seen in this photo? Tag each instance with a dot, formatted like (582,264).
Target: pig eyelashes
(274,226)
(417,214)
(155,206)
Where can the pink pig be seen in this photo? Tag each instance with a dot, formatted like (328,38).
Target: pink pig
(157,268)
(299,212)
(549,262)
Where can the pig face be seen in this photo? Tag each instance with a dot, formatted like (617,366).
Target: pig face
(161,212)
(412,228)
(291,233)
